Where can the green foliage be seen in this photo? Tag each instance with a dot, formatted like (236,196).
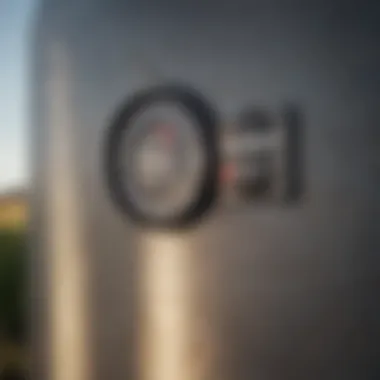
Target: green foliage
(13,263)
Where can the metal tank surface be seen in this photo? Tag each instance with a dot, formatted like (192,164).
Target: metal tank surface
(253,289)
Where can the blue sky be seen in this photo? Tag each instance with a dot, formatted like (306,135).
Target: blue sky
(15,20)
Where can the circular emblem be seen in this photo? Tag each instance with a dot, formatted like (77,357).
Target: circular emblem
(161,157)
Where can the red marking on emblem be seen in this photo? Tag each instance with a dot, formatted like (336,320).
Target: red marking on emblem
(166,132)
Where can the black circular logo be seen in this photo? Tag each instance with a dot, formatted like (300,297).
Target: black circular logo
(161,156)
